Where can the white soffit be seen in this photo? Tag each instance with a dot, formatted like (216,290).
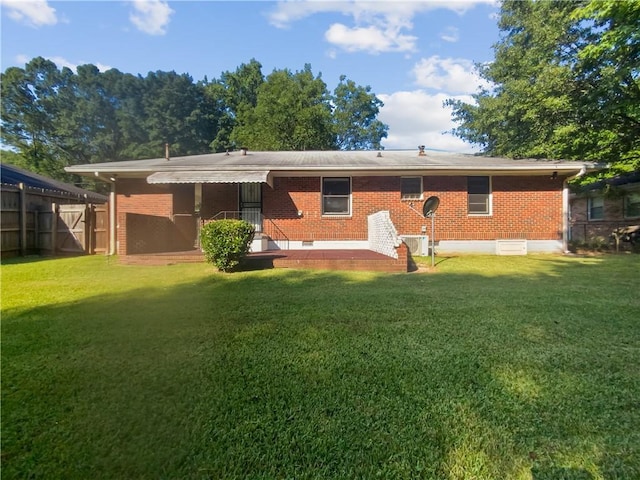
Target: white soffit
(220,176)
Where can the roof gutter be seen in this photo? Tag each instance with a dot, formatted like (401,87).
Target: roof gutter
(111,178)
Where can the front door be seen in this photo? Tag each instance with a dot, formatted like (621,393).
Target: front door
(251,204)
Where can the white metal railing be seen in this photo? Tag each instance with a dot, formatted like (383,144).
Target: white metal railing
(262,224)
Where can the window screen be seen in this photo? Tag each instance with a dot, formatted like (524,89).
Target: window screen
(596,208)
(411,188)
(336,196)
(632,205)
(478,195)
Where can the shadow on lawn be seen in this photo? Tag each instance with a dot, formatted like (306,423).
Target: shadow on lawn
(326,375)
(558,473)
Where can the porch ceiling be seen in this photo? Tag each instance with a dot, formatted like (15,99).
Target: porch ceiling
(203,176)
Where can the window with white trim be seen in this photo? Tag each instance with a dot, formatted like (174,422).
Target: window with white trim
(479,195)
(632,205)
(411,188)
(336,196)
(595,208)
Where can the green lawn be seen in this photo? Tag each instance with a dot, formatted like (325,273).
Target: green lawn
(489,368)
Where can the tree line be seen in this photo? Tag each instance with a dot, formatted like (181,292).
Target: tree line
(565,84)
(53,118)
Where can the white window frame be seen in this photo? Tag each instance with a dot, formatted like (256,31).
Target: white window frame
(323,197)
(595,203)
(627,197)
(412,196)
(489,198)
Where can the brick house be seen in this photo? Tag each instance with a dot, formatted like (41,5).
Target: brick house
(323,199)
(603,207)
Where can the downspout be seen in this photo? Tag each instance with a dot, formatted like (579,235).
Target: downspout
(565,208)
(112,220)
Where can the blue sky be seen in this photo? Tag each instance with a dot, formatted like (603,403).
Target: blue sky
(414,55)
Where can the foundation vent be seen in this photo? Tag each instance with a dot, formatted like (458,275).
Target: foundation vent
(511,247)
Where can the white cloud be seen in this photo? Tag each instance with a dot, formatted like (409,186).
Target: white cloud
(370,39)
(23,59)
(379,26)
(151,16)
(63,62)
(288,12)
(450,34)
(456,75)
(419,118)
(35,13)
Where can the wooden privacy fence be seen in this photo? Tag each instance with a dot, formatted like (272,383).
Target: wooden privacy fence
(37,221)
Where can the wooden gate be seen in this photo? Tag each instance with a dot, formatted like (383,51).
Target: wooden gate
(72,235)
(100,229)
(82,229)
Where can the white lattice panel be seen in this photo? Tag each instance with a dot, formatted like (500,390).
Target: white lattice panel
(383,237)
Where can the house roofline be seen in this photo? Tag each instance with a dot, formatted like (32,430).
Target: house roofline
(355,163)
(352,171)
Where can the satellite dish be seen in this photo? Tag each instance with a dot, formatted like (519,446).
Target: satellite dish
(430,206)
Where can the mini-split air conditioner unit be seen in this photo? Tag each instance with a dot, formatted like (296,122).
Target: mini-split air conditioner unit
(418,244)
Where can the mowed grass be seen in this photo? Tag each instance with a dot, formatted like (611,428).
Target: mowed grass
(489,368)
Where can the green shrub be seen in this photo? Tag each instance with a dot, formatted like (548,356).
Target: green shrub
(226,242)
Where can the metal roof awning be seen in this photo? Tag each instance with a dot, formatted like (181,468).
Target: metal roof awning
(203,176)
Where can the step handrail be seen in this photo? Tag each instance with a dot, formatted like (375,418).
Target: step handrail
(274,232)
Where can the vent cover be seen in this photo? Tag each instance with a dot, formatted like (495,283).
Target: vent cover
(418,244)
(511,247)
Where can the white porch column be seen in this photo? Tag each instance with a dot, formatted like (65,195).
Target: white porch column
(112,220)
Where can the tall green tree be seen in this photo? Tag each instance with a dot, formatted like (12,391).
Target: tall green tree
(54,117)
(565,84)
(231,96)
(293,112)
(608,73)
(88,130)
(29,112)
(176,112)
(127,97)
(355,117)
(531,97)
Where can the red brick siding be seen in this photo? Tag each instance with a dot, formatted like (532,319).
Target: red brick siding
(137,196)
(585,230)
(219,197)
(167,208)
(522,207)
(183,199)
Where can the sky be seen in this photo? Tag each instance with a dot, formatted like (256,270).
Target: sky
(413,54)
